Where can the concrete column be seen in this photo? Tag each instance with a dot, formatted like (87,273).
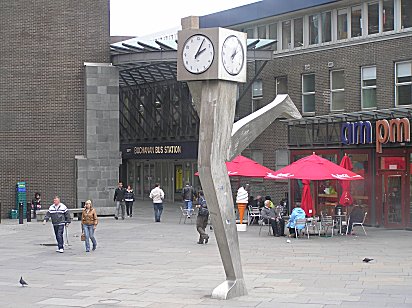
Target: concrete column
(98,170)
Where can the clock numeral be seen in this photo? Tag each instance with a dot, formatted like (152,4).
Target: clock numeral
(187,46)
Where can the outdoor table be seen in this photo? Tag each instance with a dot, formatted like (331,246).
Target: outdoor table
(339,219)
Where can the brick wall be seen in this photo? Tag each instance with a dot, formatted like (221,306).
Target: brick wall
(44,45)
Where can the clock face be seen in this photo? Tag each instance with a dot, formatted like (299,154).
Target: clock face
(198,54)
(232,55)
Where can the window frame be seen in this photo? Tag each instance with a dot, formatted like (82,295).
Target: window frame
(257,93)
(308,93)
(283,47)
(335,90)
(277,83)
(367,17)
(408,83)
(368,87)
(361,21)
(348,25)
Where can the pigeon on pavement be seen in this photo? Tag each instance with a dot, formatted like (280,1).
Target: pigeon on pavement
(367,260)
(22,282)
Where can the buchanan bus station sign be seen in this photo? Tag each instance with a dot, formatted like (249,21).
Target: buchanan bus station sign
(361,132)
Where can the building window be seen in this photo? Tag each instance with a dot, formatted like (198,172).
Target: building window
(373,18)
(403,83)
(326,26)
(298,32)
(281,85)
(356,21)
(250,33)
(257,89)
(313,29)
(342,27)
(308,93)
(388,15)
(273,34)
(286,34)
(406,13)
(337,89)
(261,32)
(369,87)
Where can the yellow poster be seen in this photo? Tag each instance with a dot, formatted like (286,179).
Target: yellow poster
(178,178)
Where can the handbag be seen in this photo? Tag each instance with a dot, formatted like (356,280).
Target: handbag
(83,237)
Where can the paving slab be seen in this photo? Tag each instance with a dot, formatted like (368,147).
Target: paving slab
(140,263)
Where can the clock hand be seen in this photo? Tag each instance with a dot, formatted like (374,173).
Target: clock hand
(201,51)
(198,51)
(234,53)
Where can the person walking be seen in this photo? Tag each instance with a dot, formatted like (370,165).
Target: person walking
(119,199)
(89,224)
(202,219)
(188,193)
(157,195)
(60,218)
(129,199)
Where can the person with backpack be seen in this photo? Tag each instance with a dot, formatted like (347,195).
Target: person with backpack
(188,194)
(202,219)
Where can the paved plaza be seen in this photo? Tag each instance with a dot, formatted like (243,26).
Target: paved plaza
(139,263)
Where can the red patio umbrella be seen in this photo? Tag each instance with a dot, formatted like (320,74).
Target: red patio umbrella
(243,166)
(307,202)
(346,198)
(314,167)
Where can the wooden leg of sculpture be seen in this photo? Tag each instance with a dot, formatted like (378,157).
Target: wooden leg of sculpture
(217,109)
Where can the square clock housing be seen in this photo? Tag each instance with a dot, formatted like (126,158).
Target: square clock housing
(211,54)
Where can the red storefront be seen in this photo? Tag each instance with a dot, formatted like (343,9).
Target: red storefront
(385,193)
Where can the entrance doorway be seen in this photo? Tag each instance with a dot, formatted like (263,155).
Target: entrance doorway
(392,189)
(393,199)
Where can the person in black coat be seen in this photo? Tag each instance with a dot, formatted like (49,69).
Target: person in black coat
(119,199)
(202,219)
(129,199)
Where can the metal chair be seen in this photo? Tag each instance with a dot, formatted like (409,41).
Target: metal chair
(299,223)
(253,214)
(186,213)
(326,223)
(358,224)
(313,225)
(264,222)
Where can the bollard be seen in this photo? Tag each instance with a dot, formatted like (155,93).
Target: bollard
(28,212)
(20,213)
(0,212)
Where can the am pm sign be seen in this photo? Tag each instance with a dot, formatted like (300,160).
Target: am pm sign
(361,132)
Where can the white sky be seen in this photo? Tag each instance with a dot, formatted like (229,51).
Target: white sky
(139,18)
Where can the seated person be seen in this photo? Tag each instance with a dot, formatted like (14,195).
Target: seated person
(297,213)
(259,202)
(356,215)
(269,215)
(270,199)
(252,201)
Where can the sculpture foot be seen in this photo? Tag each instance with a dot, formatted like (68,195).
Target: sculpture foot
(230,289)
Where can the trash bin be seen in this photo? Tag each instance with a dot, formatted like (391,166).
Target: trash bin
(14,214)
